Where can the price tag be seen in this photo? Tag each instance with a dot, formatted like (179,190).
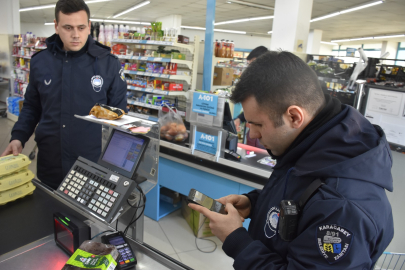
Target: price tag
(164,76)
(149,42)
(156,74)
(205,103)
(144,58)
(206,143)
(159,92)
(140,73)
(157,59)
(334,80)
(148,74)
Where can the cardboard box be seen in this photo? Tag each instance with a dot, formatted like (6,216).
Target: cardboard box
(175,87)
(223,76)
(195,220)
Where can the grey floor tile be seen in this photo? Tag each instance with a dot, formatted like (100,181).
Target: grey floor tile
(154,236)
(198,260)
(180,234)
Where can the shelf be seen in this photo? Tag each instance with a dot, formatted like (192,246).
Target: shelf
(156,59)
(326,79)
(153,42)
(341,91)
(31,46)
(21,56)
(158,75)
(154,107)
(157,91)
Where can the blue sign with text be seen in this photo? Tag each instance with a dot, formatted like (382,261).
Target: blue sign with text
(204,103)
(206,143)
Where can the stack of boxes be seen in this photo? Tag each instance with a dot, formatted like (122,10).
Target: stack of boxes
(13,105)
(15,178)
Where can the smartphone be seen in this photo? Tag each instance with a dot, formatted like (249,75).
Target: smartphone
(201,199)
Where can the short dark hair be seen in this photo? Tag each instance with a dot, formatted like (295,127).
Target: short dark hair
(256,52)
(278,80)
(70,6)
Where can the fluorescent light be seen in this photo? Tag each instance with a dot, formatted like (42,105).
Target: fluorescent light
(37,7)
(340,40)
(97,20)
(361,7)
(329,43)
(269,32)
(325,17)
(216,30)
(52,6)
(49,23)
(145,23)
(393,36)
(133,8)
(370,4)
(364,38)
(246,20)
(249,4)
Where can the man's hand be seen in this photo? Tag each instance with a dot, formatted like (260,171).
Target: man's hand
(240,202)
(221,225)
(14,147)
(237,124)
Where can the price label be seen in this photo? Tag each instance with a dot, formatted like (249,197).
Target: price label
(140,73)
(157,59)
(164,76)
(205,103)
(159,92)
(206,143)
(144,58)
(156,74)
(148,74)
(149,42)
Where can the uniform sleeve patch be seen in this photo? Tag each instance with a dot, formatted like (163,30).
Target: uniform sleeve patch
(122,75)
(333,242)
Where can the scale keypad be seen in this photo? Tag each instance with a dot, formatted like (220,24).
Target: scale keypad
(96,193)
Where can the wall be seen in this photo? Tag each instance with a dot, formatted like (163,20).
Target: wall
(325,49)
(38,29)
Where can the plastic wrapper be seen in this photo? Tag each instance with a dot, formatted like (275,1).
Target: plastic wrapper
(172,127)
(106,112)
(102,259)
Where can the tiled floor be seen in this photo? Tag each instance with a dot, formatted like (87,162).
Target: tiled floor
(171,235)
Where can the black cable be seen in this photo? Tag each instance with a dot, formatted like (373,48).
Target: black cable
(100,233)
(137,207)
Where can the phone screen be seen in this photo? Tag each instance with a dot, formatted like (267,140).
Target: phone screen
(203,200)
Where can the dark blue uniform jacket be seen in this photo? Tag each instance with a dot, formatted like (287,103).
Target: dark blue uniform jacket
(61,85)
(347,224)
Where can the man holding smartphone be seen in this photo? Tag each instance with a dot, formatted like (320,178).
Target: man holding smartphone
(69,77)
(348,222)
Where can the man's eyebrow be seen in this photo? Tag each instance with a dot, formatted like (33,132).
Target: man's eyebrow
(68,25)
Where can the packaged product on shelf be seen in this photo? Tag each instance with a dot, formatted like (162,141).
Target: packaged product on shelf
(227,49)
(157,99)
(222,49)
(183,39)
(175,87)
(149,67)
(165,86)
(157,84)
(171,69)
(150,83)
(179,56)
(119,49)
(232,48)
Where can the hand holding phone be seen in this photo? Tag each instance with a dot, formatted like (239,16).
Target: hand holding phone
(201,199)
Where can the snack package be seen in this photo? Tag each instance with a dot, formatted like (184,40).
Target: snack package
(93,255)
(171,126)
(106,112)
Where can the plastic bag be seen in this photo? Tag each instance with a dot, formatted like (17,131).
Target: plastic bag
(95,248)
(171,126)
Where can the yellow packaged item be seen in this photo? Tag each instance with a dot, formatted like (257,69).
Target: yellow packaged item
(15,179)
(16,193)
(10,163)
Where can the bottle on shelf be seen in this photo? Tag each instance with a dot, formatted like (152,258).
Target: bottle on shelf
(101,35)
(232,48)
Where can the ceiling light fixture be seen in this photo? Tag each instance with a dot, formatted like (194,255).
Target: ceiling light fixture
(370,4)
(52,6)
(249,4)
(246,20)
(365,38)
(49,23)
(133,8)
(216,30)
(329,43)
(269,32)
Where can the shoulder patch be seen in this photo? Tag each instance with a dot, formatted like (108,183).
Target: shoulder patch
(333,242)
(122,75)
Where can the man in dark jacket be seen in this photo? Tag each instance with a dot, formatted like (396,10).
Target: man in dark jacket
(348,222)
(69,77)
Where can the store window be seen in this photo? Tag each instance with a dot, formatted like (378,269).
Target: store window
(400,54)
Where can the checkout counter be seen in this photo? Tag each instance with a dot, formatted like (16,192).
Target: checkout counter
(26,228)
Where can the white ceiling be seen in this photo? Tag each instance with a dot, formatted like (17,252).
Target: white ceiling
(386,18)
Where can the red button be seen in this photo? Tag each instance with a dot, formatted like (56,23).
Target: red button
(111,192)
(121,262)
(66,191)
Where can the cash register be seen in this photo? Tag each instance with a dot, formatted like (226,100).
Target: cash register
(102,188)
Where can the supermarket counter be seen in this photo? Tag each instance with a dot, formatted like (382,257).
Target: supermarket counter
(27,240)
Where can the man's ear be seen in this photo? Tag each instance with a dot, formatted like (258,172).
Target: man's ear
(296,116)
(56,27)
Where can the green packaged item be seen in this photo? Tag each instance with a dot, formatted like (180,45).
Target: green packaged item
(180,56)
(93,255)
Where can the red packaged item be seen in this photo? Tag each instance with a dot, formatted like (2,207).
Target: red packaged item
(176,87)
(165,85)
(119,49)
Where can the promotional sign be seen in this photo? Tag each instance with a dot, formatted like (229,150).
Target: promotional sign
(350,51)
(206,143)
(204,103)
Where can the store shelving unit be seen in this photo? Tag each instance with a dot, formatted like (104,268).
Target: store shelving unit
(191,50)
